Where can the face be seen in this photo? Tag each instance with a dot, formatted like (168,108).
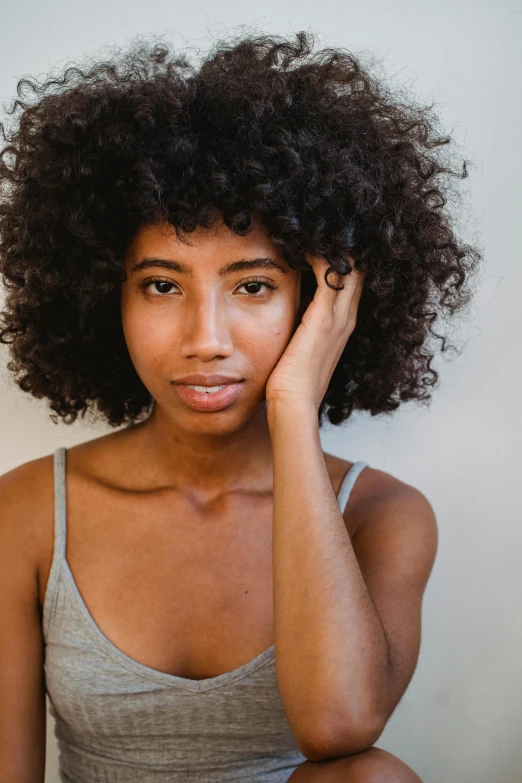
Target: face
(221,304)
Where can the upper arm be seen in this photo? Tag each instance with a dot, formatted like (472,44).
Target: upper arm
(22,689)
(396,548)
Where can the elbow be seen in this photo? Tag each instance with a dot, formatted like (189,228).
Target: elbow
(325,744)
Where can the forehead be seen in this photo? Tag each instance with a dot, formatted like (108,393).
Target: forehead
(209,247)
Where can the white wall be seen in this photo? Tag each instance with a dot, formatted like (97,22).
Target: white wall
(460,720)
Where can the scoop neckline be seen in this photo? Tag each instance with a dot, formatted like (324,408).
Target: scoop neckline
(173,680)
(205,684)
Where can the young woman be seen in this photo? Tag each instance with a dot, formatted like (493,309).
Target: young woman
(218,259)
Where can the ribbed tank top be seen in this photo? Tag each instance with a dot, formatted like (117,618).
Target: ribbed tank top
(119,721)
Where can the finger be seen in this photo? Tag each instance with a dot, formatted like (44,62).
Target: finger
(319,266)
(349,296)
(347,303)
(353,304)
(343,300)
(325,289)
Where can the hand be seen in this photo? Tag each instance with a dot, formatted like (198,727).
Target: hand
(306,366)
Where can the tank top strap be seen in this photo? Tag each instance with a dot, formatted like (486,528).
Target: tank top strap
(60,507)
(348,482)
(51,592)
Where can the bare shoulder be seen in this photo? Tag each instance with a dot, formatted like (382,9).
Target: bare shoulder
(371,484)
(378,496)
(24,496)
(26,486)
(26,509)
(22,477)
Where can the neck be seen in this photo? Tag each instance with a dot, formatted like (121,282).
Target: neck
(205,461)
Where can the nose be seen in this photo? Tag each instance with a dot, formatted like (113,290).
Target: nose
(206,333)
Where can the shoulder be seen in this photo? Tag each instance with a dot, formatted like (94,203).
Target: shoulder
(22,648)
(26,512)
(378,497)
(25,487)
(396,536)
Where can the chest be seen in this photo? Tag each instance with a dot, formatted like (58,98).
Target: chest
(180,590)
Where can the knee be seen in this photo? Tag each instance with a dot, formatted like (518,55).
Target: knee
(370,766)
(379,766)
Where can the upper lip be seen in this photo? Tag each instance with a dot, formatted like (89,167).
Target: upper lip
(207,380)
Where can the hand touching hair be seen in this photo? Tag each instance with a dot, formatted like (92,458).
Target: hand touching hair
(331,160)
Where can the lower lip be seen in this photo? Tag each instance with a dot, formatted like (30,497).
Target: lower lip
(203,401)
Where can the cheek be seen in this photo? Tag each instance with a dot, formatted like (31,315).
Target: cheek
(262,331)
(267,334)
(147,338)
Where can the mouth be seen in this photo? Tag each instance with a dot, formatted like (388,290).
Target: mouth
(208,399)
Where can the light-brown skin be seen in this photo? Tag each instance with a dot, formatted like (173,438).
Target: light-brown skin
(216,497)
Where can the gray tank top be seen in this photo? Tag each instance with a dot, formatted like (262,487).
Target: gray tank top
(119,721)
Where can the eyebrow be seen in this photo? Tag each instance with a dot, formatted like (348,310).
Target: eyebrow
(235,266)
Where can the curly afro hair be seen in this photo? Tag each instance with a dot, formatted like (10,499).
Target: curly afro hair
(331,160)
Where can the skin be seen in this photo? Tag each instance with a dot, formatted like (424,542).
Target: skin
(190,477)
(207,323)
(371,766)
(212,323)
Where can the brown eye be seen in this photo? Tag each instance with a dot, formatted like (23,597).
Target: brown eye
(256,282)
(160,285)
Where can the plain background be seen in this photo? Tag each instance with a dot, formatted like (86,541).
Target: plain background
(460,719)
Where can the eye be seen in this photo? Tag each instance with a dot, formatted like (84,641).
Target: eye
(157,281)
(257,281)
(162,293)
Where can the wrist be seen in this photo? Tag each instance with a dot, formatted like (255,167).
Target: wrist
(280,411)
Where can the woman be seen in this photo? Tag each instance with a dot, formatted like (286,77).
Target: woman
(217,258)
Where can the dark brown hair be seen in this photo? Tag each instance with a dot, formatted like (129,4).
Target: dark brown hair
(331,160)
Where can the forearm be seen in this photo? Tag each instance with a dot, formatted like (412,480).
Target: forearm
(331,653)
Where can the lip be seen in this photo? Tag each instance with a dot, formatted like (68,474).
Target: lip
(203,401)
(207,380)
